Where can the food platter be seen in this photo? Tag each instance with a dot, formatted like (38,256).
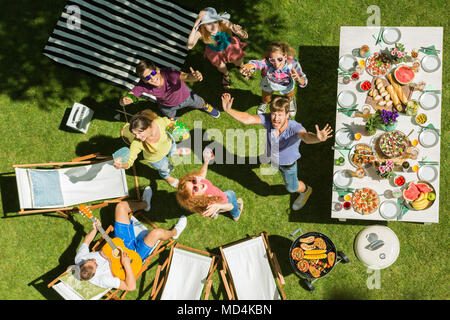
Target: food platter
(422,192)
(429,100)
(391,35)
(347,62)
(428,138)
(389,209)
(361,155)
(393,143)
(431,63)
(344,137)
(375,68)
(365,201)
(342,178)
(427,173)
(346,99)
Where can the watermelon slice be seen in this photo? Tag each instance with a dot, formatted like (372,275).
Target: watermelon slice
(404,74)
(423,188)
(412,192)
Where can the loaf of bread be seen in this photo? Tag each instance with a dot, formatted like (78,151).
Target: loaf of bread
(393,95)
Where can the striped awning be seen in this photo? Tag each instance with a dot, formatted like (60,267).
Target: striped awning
(108,38)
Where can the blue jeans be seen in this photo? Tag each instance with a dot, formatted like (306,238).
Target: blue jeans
(194,101)
(231,195)
(289,174)
(164,166)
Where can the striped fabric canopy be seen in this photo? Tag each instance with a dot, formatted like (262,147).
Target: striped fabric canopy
(107,38)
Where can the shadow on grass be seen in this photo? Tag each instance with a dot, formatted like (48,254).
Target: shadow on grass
(66,259)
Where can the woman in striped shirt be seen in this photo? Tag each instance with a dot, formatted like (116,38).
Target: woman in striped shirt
(280,72)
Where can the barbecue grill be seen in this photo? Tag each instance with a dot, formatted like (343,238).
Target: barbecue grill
(306,277)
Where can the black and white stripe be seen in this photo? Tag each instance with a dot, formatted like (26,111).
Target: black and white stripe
(113,36)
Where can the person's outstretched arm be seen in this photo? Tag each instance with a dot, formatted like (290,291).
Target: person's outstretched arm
(243,117)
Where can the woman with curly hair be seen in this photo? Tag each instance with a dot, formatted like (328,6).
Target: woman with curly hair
(197,194)
(280,72)
(216,31)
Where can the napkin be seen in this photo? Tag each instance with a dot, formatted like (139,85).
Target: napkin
(403,209)
(431,127)
(429,51)
(378,38)
(342,191)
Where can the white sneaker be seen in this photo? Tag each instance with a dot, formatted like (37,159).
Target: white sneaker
(302,198)
(261,108)
(179,226)
(147,197)
(293,108)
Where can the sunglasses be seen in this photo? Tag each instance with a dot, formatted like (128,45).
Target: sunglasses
(152,74)
(195,188)
(273,59)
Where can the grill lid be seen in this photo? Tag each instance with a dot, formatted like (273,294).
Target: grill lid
(377,247)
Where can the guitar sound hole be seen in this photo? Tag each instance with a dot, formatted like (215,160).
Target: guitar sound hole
(117,252)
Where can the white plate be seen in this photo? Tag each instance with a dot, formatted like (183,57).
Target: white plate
(344,137)
(391,35)
(342,179)
(346,99)
(347,62)
(427,173)
(389,209)
(430,63)
(428,138)
(429,100)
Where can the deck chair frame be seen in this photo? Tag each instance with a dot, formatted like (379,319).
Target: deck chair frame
(162,272)
(117,294)
(225,273)
(84,160)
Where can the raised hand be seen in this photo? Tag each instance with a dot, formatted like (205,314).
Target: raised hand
(227,101)
(296,77)
(196,75)
(247,69)
(237,29)
(325,133)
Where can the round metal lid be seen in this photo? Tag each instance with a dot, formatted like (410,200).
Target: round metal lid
(377,247)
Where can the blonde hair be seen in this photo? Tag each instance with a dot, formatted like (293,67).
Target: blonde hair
(206,36)
(281,47)
(196,204)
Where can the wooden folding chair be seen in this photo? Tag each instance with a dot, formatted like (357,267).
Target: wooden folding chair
(250,268)
(184,273)
(61,185)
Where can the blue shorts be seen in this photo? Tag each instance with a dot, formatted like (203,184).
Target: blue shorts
(126,233)
(289,174)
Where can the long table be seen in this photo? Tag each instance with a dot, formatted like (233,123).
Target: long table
(352,38)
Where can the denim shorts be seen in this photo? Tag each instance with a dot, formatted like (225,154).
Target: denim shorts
(290,177)
(194,101)
(231,195)
(126,233)
(164,166)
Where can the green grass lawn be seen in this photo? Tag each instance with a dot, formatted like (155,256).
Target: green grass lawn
(34,96)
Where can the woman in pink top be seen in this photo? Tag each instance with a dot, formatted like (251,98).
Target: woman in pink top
(197,194)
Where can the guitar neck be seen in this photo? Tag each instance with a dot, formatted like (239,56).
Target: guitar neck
(105,235)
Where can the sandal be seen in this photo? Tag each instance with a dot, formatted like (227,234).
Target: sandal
(226,81)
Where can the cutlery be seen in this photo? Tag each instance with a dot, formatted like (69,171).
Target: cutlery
(430,49)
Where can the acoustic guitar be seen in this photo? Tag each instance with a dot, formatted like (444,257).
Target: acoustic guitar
(113,248)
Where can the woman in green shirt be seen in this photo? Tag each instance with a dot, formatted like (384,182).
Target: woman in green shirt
(150,136)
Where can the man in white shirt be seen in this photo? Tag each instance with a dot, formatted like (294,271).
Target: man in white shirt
(95,267)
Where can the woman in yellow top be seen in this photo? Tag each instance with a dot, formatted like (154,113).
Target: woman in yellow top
(151,137)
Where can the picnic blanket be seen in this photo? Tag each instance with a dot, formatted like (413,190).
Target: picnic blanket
(108,38)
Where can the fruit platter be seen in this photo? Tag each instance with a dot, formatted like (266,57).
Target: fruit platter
(365,201)
(419,195)
(393,143)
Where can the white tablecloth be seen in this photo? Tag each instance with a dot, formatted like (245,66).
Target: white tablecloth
(412,37)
